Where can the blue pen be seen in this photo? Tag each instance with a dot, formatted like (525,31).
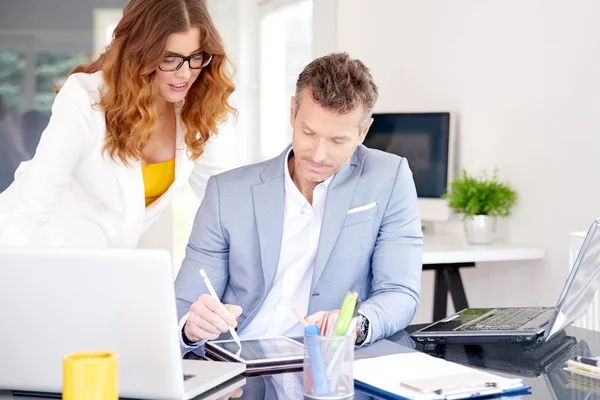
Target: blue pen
(317,363)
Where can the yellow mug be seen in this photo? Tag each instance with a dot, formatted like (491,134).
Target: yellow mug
(90,376)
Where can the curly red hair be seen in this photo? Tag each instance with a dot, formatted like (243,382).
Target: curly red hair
(129,65)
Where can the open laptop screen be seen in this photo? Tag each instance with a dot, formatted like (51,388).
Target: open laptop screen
(581,285)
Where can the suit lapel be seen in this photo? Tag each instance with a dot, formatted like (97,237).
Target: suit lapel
(269,199)
(339,196)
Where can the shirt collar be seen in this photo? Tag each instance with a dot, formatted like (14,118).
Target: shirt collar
(292,191)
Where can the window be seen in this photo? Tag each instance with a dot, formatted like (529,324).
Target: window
(12,151)
(105,22)
(285,39)
(12,71)
(51,70)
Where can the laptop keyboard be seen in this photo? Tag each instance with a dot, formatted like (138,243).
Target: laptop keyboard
(188,376)
(505,319)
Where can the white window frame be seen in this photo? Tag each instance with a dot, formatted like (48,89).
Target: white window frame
(105,21)
(266,7)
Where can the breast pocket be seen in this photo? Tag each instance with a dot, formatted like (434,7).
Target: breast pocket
(355,237)
(358,215)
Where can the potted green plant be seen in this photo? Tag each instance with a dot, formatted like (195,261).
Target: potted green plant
(480,200)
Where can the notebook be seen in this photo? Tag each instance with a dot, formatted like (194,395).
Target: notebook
(417,376)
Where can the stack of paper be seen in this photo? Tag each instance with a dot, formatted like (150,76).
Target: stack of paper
(421,377)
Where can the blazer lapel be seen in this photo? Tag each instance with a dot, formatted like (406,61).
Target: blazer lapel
(339,196)
(269,199)
(132,189)
(132,185)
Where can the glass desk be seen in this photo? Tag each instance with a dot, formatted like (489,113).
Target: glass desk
(541,368)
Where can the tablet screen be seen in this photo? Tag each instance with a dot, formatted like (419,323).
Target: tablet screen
(269,349)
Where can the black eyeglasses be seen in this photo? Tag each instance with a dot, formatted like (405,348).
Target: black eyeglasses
(172,62)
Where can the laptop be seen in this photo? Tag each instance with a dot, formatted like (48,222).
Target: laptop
(526,325)
(57,301)
(220,392)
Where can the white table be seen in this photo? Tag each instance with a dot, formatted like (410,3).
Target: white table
(446,254)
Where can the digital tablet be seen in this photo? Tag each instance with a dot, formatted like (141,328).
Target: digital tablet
(278,350)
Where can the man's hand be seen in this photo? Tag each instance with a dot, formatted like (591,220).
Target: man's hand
(321,318)
(326,321)
(209,318)
(236,394)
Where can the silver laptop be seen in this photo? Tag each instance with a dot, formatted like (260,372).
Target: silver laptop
(56,301)
(527,325)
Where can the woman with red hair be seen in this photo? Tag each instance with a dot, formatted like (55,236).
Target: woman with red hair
(126,132)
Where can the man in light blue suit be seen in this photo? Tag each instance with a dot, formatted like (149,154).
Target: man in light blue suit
(326,217)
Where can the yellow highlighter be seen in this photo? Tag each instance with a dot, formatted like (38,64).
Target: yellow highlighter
(346,314)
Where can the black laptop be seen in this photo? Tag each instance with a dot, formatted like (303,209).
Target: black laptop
(526,325)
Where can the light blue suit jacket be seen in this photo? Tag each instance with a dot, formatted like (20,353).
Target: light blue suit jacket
(377,252)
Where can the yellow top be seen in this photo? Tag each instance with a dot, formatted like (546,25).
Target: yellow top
(158,177)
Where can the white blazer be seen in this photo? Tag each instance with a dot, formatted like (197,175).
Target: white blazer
(72,194)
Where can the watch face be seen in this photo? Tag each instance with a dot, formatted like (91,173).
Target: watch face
(363,329)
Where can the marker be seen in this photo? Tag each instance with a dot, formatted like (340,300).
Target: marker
(346,314)
(317,362)
(589,361)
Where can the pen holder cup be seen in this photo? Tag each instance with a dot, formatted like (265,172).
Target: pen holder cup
(327,371)
(90,376)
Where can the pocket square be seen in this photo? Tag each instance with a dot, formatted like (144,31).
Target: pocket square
(362,208)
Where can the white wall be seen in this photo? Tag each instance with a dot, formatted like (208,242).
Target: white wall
(524,77)
(325,26)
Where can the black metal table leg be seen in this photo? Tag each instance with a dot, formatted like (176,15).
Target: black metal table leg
(440,295)
(448,279)
(457,290)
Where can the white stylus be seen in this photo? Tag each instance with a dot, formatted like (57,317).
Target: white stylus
(211,289)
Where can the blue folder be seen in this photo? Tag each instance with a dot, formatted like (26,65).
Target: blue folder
(374,391)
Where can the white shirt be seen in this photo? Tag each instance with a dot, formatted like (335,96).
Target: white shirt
(291,287)
(287,386)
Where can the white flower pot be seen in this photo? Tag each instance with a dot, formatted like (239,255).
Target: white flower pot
(480,229)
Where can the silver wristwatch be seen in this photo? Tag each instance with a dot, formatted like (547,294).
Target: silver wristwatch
(362,329)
